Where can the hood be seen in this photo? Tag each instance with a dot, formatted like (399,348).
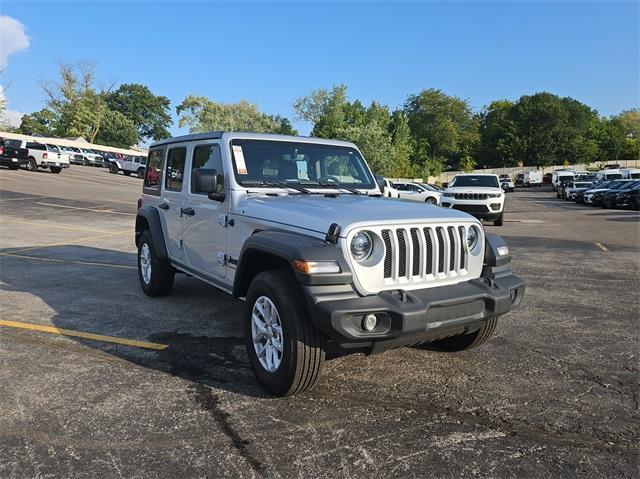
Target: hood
(473,189)
(318,212)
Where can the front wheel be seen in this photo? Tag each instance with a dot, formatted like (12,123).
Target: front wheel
(55,169)
(431,201)
(14,167)
(126,173)
(141,173)
(499,220)
(32,165)
(113,169)
(156,275)
(285,349)
(463,342)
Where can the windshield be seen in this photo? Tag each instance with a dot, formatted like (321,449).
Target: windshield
(613,176)
(473,180)
(582,185)
(259,162)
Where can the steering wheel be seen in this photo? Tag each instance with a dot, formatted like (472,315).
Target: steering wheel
(328,179)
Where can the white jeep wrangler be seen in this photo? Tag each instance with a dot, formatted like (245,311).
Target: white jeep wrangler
(477,194)
(297,228)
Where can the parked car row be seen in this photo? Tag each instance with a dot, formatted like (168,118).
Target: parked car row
(617,193)
(34,155)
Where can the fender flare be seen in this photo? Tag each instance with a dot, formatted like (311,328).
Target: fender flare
(288,246)
(151,216)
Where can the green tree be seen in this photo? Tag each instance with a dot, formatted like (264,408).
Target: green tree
(202,114)
(78,106)
(498,146)
(627,125)
(326,109)
(442,127)
(149,113)
(41,122)
(117,130)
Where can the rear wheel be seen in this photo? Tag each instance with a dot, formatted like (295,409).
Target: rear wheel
(55,169)
(156,275)
(499,220)
(113,169)
(140,172)
(126,173)
(285,349)
(13,167)
(431,201)
(32,165)
(463,342)
(85,162)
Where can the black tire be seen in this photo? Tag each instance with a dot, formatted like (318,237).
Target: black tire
(113,169)
(140,172)
(32,165)
(431,201)
(499,220)
(85,162)
(303,345)
(162,273)
(127,173)
(14,167)
(463,342)
(55,169)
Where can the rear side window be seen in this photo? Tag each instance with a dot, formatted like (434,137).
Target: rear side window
(209,157)
(36,146)
(153,174)
(12,143)
(174,176)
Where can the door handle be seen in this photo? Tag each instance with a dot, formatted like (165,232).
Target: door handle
(163,206)
(187,211)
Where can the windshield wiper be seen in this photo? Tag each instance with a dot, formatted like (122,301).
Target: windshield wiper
(337,186)
(277,184)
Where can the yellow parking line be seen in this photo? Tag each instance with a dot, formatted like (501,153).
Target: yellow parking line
(601,246)
(70,261)
(68,243)
(80,334)
(86,209)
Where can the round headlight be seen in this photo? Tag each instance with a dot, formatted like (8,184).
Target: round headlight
(472,237)
(361,246)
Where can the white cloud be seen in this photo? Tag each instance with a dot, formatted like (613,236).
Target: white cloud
(13,39)
(10,117)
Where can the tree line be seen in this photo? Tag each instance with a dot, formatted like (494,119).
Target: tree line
(429,133)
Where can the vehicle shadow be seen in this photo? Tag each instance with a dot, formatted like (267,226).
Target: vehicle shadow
(96,291)
(625,219)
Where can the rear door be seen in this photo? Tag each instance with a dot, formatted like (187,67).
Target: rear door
(204,223)
(172,198)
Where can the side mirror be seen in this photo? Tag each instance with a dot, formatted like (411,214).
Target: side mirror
(380,181)
(205,180)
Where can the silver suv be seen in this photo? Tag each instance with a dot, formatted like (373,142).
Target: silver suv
(298,229)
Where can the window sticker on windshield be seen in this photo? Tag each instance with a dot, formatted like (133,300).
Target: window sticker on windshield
(241,167)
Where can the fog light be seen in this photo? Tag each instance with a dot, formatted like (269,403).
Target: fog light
(369,322)
(503,250)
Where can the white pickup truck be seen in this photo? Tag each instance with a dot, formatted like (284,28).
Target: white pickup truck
(132,164)
(45,156)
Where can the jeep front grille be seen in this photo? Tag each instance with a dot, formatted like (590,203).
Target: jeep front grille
(470,196)
(413,253)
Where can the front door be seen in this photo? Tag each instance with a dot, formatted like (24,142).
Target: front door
(204,226)
(172,200)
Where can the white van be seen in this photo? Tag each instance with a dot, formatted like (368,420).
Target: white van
(559,175)
(612,174)
(630,173)
(532,178)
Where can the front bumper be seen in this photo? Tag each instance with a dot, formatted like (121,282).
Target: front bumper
(410,317)
(489,209)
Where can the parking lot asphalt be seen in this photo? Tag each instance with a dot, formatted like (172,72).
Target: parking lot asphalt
(554,393)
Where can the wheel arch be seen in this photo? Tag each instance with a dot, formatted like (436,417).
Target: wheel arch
(276,249)
(148,218)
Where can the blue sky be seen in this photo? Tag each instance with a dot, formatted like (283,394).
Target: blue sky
(272,53)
